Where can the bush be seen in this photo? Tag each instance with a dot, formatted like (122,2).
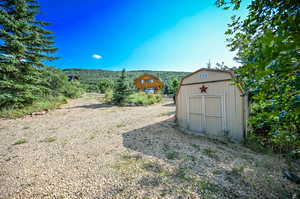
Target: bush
(41,104)
(108,95)
(142,98)
(105,84)
(58,84)
(73,89)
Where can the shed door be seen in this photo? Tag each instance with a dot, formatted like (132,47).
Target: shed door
(205,114)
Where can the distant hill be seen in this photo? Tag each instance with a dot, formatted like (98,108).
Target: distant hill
(92,76)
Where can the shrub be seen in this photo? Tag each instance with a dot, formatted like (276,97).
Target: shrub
(142,98)
(73,89)
(108,95)
(45,103)
(105,84)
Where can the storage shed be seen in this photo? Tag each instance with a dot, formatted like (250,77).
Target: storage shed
(208,103)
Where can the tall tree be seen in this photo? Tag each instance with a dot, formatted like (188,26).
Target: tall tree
(25,45)
(175,85)
(267,43)
(122,88)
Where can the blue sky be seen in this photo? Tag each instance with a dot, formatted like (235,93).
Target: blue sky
(176,35)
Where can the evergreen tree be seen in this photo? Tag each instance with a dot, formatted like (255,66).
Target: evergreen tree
(175,85)
(24,46)
(122,89)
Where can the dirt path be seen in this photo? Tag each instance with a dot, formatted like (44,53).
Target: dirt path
(87,149)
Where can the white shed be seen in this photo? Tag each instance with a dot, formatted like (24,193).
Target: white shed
(208,103)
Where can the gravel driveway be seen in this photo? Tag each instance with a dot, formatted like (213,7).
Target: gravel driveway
(87,149)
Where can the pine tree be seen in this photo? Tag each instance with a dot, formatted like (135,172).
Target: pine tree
(24,46)
(122,89)
(174,85)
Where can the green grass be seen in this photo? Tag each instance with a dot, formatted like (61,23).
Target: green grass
(92,137)
(21,141)
(212,153)
(172,155)
(237,170)
(50,139)
(197,147)
(142,98)
(38,106)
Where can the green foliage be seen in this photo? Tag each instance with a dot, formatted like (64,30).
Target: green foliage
(172,155)
(108,97)
(73,89)
(105,84)
(57,83)
(21,141)
(174,85)
(122,89)
(45,103)
(25,46)
(267,43)
(142,98)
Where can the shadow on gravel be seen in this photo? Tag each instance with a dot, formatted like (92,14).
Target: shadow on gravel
(171,104)
(92,106)
(198,162)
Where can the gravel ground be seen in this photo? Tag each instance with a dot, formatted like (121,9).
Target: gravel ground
(87,149)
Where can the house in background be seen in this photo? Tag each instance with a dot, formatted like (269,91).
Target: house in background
(148,83)
(73,77)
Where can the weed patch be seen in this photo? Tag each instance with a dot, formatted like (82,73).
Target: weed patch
(21,141)
(121,125)
(172,155)
(237,170)
(212,153)
(92,137)
(50,139)
(153,167)
(195,146)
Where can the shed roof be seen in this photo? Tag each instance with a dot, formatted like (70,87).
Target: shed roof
(231,73)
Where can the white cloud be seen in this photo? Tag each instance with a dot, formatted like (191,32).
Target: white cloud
(97,56)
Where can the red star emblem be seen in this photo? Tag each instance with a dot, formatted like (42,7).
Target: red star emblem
(203,89)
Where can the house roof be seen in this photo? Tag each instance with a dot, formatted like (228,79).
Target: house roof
(147,75)
(208,69)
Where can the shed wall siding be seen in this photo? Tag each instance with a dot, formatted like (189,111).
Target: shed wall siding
(233,103)
(212,76)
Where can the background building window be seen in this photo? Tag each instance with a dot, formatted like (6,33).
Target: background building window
(203,75)
(150,80)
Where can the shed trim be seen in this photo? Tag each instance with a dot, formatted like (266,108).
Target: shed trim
(206,82)
(207,69)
